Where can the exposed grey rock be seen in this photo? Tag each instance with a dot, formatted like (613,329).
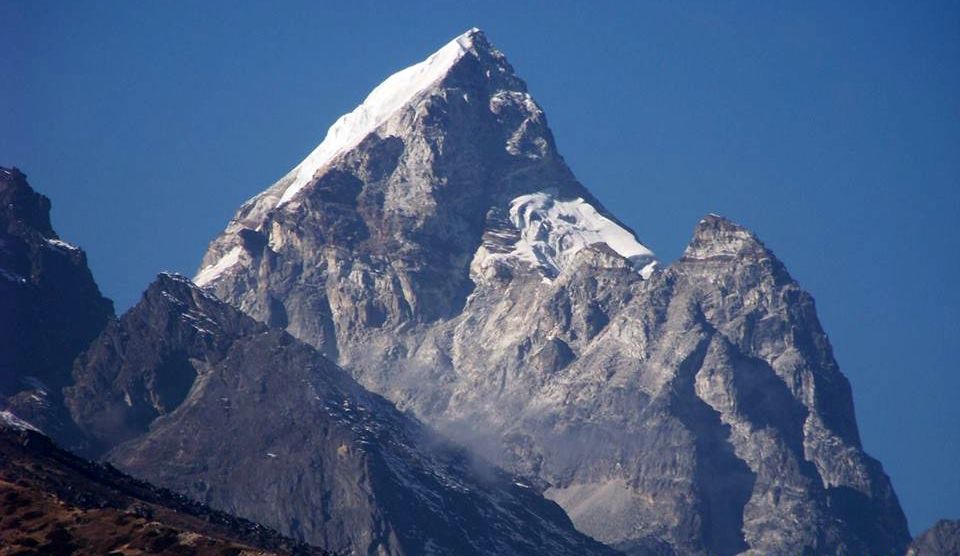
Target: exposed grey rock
(943,539)
(144,365)
(254,422)
(697,410)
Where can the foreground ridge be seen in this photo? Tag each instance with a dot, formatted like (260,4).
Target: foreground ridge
(56,503)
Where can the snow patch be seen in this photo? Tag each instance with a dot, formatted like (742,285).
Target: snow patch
(385,100)
(552,231)
(59,243)
(213,271)
(9,419)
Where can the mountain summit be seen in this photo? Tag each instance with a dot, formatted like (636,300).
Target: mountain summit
(437,247)
(465,115)
(398,91)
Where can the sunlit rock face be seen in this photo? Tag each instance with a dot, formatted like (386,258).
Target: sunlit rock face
(437,247)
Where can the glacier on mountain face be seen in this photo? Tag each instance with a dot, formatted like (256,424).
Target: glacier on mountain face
(552,231)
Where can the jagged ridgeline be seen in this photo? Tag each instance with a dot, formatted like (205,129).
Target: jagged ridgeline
(436,246)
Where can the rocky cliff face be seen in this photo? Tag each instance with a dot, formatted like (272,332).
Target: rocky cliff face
(50,308)
(437,246)
(254,422)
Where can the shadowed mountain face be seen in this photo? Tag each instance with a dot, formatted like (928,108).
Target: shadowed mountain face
(53,502)
(50,308)
(252,421)
(438,248)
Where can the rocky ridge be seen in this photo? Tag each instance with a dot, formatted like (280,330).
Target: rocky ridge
(201,399)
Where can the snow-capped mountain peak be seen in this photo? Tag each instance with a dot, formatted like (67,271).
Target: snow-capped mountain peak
(441,250)
(394,93)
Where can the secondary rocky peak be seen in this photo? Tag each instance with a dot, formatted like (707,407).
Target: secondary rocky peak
(175,294)
(716,236)
(176,288)
(170,337)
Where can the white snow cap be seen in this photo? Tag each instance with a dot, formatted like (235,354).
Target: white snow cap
(552,231)
(388,97)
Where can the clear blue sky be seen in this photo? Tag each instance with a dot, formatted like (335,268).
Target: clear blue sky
(831,129)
